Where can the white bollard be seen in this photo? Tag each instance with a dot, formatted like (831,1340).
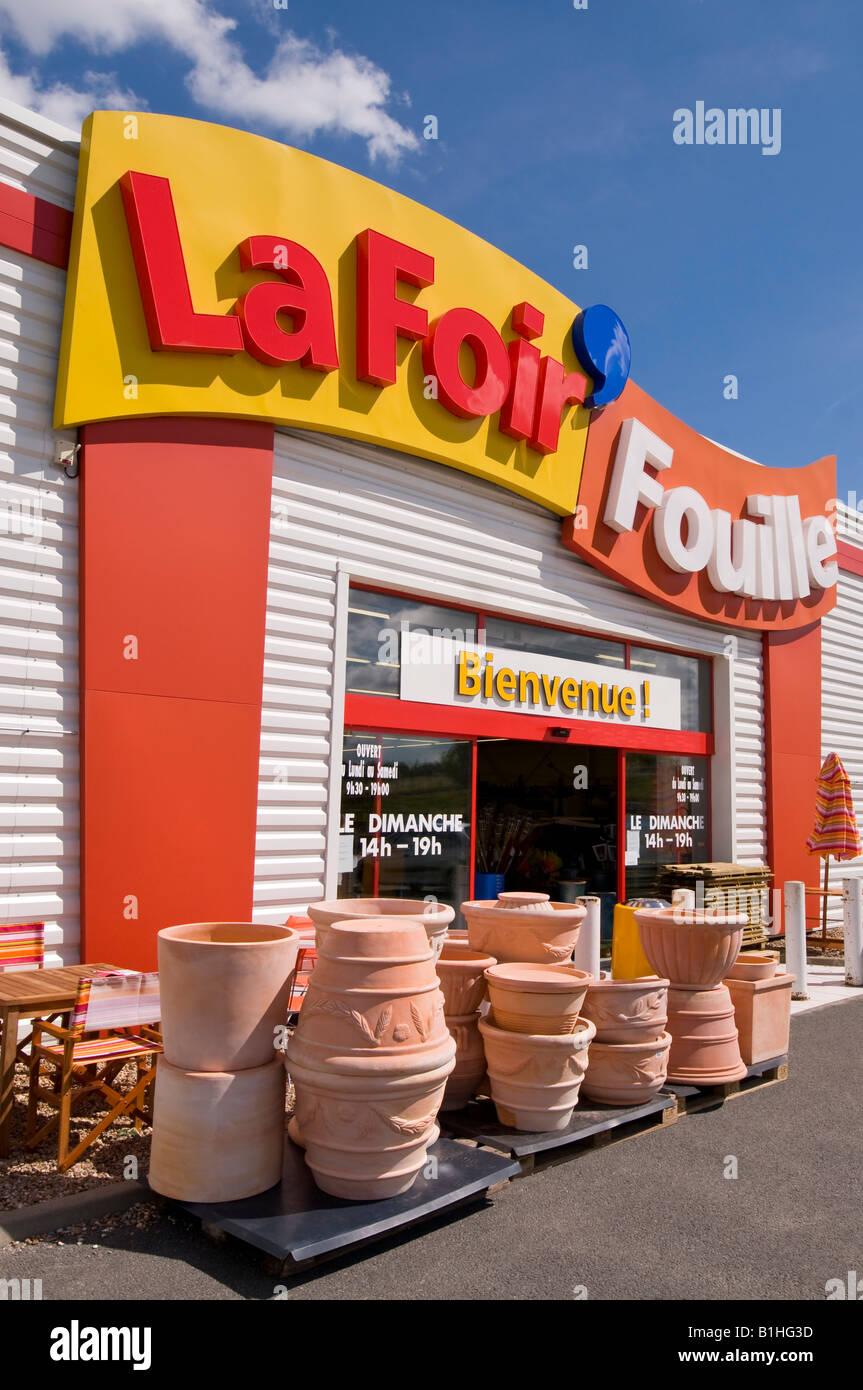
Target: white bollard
(587,946)
(795,937)
(852,913)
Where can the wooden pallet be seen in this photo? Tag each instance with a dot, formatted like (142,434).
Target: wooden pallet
(693,1098)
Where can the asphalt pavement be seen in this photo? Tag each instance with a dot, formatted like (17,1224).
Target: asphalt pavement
(654,1217)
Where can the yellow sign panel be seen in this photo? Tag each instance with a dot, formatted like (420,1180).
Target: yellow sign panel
(226,187)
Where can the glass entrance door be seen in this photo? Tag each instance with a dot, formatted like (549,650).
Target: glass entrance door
(405,827)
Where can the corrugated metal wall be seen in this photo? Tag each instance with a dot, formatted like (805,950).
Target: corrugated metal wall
(38,576)
(842,691)
(419,526)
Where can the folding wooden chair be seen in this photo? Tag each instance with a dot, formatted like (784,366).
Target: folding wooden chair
(109,1027)
(307,957)
(22,947)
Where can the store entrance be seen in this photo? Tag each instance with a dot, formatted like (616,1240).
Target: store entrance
(546,817)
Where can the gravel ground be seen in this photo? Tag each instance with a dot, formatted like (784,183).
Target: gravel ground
(30,1175)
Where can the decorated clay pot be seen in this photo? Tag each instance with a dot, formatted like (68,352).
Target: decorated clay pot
(535,1079)
(627,1073)
(755,965)
(461,971)
(470,1066)
(704,1044)
(531,998)
(370,1058)
(627,1011)
(693,949)
(762,1012)
(225,988)
(524,927)
(217,1136)
(435,916)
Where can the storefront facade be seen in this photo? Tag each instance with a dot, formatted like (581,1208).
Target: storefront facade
(289,588)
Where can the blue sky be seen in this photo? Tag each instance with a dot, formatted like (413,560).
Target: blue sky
(556,129)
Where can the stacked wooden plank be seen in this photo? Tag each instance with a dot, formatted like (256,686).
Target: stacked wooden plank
(743,888)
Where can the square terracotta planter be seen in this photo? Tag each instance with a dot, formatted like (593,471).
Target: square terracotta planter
(762,1011)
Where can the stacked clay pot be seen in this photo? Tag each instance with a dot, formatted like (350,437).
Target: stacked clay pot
(761,995)
(219,1121)
(696,949)
(536,1043)
(434,916)
(524,927)
(461,972)
(370,1058)
(629,1059)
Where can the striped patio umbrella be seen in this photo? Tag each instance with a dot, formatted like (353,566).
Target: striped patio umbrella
(835,830)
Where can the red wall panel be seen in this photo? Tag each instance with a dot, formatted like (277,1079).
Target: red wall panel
(792,717)
(174,545)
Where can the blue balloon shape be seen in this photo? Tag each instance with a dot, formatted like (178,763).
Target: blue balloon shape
(603,349)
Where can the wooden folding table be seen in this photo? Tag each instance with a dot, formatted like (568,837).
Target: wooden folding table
(26,994)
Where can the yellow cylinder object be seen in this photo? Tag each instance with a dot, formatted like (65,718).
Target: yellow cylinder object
(628,961)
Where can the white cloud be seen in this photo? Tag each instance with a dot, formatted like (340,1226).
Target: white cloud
(62,103)
(302,91)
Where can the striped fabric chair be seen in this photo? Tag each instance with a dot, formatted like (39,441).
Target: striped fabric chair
(110,1026)
(22,945)
(306,960)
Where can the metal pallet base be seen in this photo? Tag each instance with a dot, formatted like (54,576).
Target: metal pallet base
(298,1225)
(590,1122)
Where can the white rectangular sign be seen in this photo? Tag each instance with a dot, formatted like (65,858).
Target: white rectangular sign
(443,672)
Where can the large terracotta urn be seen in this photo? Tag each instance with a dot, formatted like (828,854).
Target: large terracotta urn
(217,1136)
(225,988)
(535,1079)
(370,1058)
(694,949)
(627,1011)
(627,1073)
(461,971)
(470,1064)
(434,916)
(704,1043)
(524,927)
(532,998)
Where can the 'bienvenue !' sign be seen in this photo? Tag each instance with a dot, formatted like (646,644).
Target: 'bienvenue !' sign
(454,673)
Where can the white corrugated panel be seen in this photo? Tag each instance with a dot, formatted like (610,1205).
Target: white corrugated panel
(842,695)
(37,155)
(416,526)
(39,856)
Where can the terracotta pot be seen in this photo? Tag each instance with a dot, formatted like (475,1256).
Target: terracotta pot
(370,1058)
(531,998)
(627,1073)
(460,970)
(535,1080)
(217,1136)
(762,1012)
(435,917)
(694,950)
(374,987)
(704,1047)
(754,965)
(524,927)
(627,1011)
(470,1066)
(225,988)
